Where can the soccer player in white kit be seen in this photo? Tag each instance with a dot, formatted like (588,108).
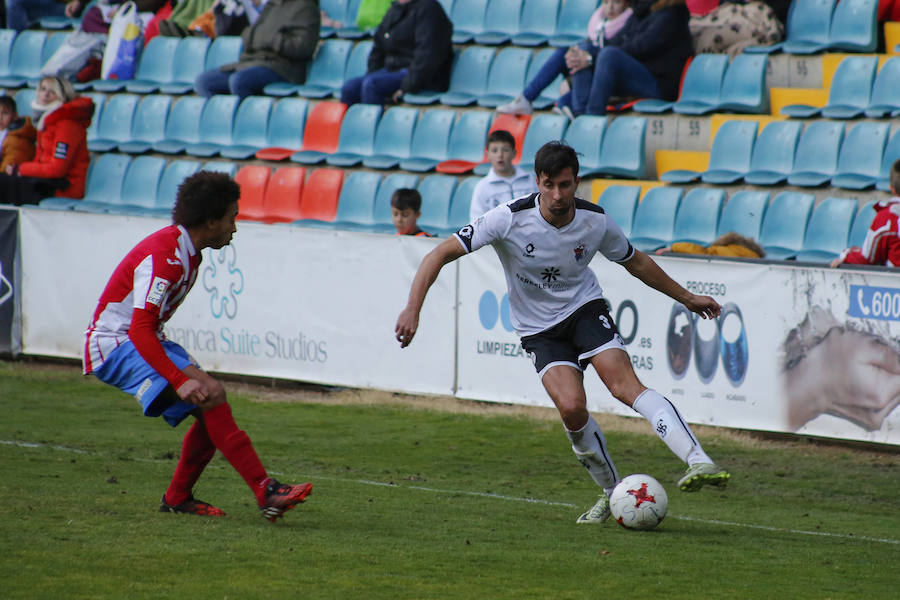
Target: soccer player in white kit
(545,242)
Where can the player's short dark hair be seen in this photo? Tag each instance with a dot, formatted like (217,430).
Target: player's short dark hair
(204,196)
(552,158)
(404,198)
(501,135)
(9,103)
(895,177)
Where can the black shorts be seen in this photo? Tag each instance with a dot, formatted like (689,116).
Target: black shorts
(585,333)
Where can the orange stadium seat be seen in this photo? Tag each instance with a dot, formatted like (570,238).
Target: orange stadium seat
(282,198)
(320,195)
(253,180)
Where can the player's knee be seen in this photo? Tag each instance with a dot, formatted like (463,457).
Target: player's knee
(624,391)
(573,412)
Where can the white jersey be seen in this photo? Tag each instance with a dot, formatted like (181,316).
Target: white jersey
(546,268)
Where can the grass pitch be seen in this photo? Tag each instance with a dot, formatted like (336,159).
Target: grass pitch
(419,498)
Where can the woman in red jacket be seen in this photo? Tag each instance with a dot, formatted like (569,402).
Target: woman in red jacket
(61,161)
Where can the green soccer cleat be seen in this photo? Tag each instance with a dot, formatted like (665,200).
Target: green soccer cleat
(597,513)
(703,474)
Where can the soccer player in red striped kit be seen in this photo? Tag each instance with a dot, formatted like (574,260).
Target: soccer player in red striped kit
(125,347)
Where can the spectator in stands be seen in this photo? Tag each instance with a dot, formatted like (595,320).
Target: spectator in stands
(505,181)
(277,47)
(732,25)
(882,243)
(412,51)
(20,14)
(406,208)
(603,25)
(61,161)
(17,135)
(730,244)
(370,13)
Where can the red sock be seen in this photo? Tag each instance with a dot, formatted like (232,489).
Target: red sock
(196,452)
(236,446)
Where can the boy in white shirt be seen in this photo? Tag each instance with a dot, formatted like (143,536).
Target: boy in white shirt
(505,182)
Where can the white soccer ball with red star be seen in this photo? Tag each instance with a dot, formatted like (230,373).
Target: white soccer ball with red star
(638,502)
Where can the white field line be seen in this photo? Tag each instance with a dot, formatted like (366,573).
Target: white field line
(421,488)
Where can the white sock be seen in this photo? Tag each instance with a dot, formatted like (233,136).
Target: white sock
(589,445)
(671,427)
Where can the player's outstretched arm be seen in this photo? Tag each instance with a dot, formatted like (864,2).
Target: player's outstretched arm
(408,321)
(645,268)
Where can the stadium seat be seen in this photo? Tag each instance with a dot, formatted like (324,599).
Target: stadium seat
(861,222)
(501,22)
(860,157)
(550,94)
(620,203)
(251,124)
(884,100)
(849,94)
(744,213)
(253,180)
(381,213)
(697,219)
(732,148)
(24,59)
(543,128)
(336,11)
(507,77)
(585,134)
(468,19)
(815,161)
(326,72)
(286,124)
(807,28)
(393,138)
(223,50)
(220,166)
(320,194)
(854,26)
(53,43)
(115,122)
(426,97)
(744,86)
(104,184)
(356,203)
(140,186)
(148,125)
(430,140)
(320,136)
(702,88)
(516,125)
(622,152)
(357,138)
(26,96)
(536,22)
(468,79)
(654,218)
(784,225)
(467,138)
(281,201)
(773,153)
(216,125)
(175,172)
(461,204)
(828,230)
(189,61)
(891,154)
(571,22)
(357,63)
(349,30)
(183,125)
(156,66)
(437,194)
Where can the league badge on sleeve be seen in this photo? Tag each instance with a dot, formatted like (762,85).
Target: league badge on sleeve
(157,290)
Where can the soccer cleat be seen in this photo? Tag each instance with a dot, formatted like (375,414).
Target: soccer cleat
(702,474)
(597,513)
(519,106)
(281,497)
(191,506)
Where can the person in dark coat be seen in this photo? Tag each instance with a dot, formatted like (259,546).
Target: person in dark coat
(412,51)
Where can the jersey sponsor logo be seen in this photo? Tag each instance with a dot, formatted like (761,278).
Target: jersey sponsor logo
(579,252)
(529,250)
(157,290)
(550,274)
(62,150)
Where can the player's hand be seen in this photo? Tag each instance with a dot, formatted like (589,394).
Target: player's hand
(407,324)
(193,391)
(704,306)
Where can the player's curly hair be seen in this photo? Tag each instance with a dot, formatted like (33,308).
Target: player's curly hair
(204,196)
(554,157)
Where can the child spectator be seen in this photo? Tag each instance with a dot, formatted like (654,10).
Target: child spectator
(406,208)
(730,244)
(882,244)
(505,182)
(17,135)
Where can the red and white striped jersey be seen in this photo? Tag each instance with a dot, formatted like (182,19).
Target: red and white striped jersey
(882,243)
(142,294)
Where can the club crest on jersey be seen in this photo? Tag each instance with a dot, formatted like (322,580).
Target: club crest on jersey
(579,252)
(62,150)
(157,290)
(529,250)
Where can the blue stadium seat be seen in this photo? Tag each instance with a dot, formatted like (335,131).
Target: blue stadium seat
(216,126)
(393,138)
(549,94)
(115,122)
(447,5)
(26,96)
(697,219)
(571,23)
(622,152)
(24,59)
(183,125)
(654,219)
(140,186)
(251,124)
(175,172)
(103,189)
(849,94)
(807,29)
(620,203)
(156,66)
(784,225)
(357,139)
(702,88)
(437,194)
(815,161)
(507,77)
(744,213)
(468,135)
(223,50)
(468,80)
(336,11)
(585,134)
(286,125)
(468,19)
(891,154)
(349,29)
(356,203)
(381,212)
(357,63)
(220,166)
(730,159)
(744,86)
(828,230)
(51,45)
(501,22)
(148,125)
(860,158)
(326,72)
(861,223)
(461,204)
(542,129)
(430,140)
(7,39)
(537,22)
(188,62)
(773,153)
(854,26)
(884,99)
(425,97)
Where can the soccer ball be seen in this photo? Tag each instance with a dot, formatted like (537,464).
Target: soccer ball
(638,502)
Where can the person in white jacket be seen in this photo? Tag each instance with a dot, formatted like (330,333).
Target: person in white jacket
(505,182)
